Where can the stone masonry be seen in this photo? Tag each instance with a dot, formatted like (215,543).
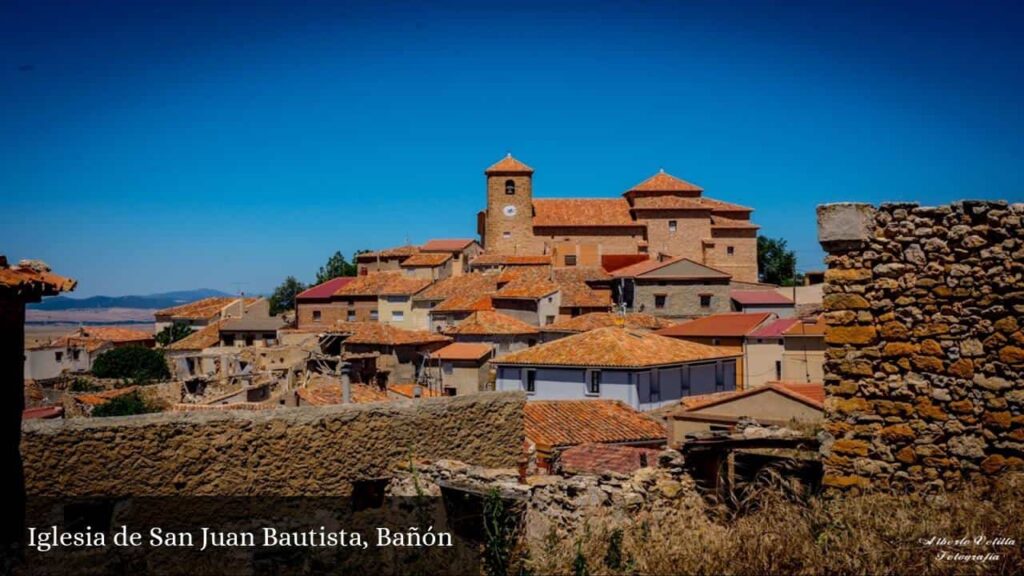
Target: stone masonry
(924,369)
(284,452)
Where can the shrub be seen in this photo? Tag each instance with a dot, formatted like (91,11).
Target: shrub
(172,334)
(83,385)
(133,362)
(124,405)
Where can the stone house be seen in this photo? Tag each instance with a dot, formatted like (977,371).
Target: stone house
(763,353)
(209,310)
(553,426)
(389,260)
(250,331)
(382,354)
(583,290)
(774,404)
(462,367)
(641,369)
(529,298)
(462,250)
(76,351)
(594,320)
(663,214)
(381,297)
(449,300)
(762,301)
(672,288)
(803,356)
(501,332)
(432,266)
(728,331)
(316,306)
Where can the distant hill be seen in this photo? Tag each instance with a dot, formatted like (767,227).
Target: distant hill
(149,301)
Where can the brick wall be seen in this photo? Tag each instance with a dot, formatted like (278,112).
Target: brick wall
(924,367)
(520,226)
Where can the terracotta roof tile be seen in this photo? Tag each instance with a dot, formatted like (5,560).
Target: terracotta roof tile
(560,423)
(596,320)
(98,398)
(718,325)
(447,245)
(509,165)
(813,329)
(527,287)
(426,260)
(464,303)
(375,333)
(32,279)
(582,274)
(488,322)
(730,223)
(759,297)
(813,391)
(407,390)
(605,458)
(510,260)
(773,329)
(812,394)
(204,309)
(389,253)
(614,347)
(665,182)
(205,337)
(698,271)
(93,338)
(474,285)
(579,295)
(383,284)
(325,290)
(462,351)
(582,212)
(324,391)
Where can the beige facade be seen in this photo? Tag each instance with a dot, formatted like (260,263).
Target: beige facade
(764,361)
(463,376)
(766,405)
(803,359)
(397,310)
(538,312)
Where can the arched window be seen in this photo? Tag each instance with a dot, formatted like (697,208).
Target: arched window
(510,187)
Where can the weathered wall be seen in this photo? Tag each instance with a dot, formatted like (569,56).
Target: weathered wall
(294,451)
(925,355)
(682,299)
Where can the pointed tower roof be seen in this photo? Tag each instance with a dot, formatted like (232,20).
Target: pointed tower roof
(665,182)
(509,165)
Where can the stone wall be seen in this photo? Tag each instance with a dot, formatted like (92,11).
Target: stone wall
(289,451)
(924,367)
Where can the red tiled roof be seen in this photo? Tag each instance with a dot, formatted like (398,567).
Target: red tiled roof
(509,165)
(375,333)
(489,322)
(668,202)
(581,274)
(596,320)
(462,351)
(718,325)
(383,284)
(665,182)
(812,394)
(408,391)
(730,223)
(613,262)
(31,279)
(510,260)
(464,303)
(614,347)
(816,328)
(325,290)
(605,458)
(773,329)
(579,295)
(527,287)
(205,337)
(447,245)
(701,271)
(582,212)
(97,398)
(387,253)
(426,260)
(93,338)
(559,423)
(759,297)
(204,309)
(814,391)
(323,391)
(43,413)
(474,285)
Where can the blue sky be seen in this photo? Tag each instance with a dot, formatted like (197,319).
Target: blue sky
(156,146)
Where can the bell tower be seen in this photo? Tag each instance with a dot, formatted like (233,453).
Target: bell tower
(508,227)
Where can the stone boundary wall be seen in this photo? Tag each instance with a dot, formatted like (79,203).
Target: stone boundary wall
(284,452)
(924,369)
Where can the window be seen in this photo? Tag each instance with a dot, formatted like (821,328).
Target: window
(594,382)
(778,370)
(248,340)
(76,354)
(397,315)
(373,315)
(530,381)
(351,316)
(549,319)
(510,187)
(58,356)
(316,315)
(730,250)
(570,259)
(229,339)
(447,367)
(705,300)
(655,386)
(715,341)
(671,225)
(659,301)
(506,235)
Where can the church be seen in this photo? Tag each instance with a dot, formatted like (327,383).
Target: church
(662,216)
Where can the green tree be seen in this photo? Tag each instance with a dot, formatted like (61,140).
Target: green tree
(284,295)
(124,405)
(137,363)
(775,263)
(335,267)
(173,333)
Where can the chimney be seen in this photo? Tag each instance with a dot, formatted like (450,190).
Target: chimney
(346,384)
(417,391)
